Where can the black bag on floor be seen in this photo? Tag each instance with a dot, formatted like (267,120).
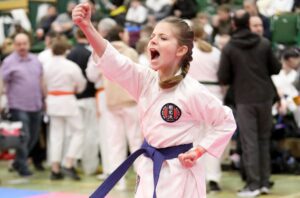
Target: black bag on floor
(10,135)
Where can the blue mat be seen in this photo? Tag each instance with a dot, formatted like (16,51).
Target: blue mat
(19,193)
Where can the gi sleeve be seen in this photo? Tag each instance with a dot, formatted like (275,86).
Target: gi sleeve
(93,73)
(120,69)
(218,120)
(79,79)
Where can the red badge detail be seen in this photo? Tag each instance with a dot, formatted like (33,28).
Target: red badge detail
(170,112)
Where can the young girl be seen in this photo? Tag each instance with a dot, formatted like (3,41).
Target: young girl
(172,107)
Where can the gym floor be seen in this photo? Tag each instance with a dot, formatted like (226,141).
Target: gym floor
(40,186)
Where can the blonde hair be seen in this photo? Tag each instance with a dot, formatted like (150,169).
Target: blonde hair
(199,35)
(185,36)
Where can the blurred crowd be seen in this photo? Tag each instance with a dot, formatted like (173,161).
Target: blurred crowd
(73,117)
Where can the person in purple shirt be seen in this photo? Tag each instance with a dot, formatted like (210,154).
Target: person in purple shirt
(22,75)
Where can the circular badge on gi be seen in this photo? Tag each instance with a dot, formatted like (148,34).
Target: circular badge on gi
(170,112)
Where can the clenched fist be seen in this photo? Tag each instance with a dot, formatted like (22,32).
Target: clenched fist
(81,15)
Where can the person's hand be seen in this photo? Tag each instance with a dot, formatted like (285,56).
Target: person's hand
(189,158)
(81,15)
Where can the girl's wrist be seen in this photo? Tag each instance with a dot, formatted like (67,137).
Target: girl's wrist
(199,151)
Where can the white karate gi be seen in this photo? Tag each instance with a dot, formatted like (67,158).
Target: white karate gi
(197,107)
(61,74)
(94,75)
(204,67)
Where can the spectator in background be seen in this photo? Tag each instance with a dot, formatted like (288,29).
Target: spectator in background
(7,48)
(186,9)
(63,79)
(273,7)
(117,10)
(45,55)
(44,26)
(247,62)
(22,75)
(204,20)
(159,9)
(141,48)
(122,118)
(222,21)
(94,75)
(63,23)
(105,25)
(256,25)
(136,14)
(251,7)
(80,55)
(283,81)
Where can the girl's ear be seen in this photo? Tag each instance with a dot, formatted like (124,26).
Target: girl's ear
(182,50)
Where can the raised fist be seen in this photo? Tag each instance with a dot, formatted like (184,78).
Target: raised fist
(81,15)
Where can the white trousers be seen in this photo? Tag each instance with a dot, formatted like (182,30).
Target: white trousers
(212,168)
(65,130)
(122,127)
(90,149)
(102,131)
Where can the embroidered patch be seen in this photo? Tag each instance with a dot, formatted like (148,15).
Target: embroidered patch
(170,112)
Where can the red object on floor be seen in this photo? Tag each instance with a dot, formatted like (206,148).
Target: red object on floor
(5,155)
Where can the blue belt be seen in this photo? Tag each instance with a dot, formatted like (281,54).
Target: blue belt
(158,156)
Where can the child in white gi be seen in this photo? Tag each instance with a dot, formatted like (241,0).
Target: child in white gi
(63,80)
(172,107)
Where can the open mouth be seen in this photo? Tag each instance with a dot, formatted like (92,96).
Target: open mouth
(154,54)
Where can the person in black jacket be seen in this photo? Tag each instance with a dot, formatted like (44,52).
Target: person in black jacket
(246,64)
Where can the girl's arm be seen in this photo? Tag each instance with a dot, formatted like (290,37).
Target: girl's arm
(81,16)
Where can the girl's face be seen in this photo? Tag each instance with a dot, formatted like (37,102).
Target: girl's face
(164,51)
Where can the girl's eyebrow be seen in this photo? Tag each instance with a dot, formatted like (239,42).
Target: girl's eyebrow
(160,34)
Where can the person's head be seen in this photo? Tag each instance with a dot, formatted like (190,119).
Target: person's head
(135,3)
(202,18)
(105,25)
(146,31)
(60,45)
(250,7)
(118,33)
(51,11)
(199,35)
(49,37)
(223,12)
(221,40)
(256,25)
(241,19)
(291,58)
(170,49)
(22,44)
(141,45)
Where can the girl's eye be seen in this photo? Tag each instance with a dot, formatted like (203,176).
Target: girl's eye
(163,38)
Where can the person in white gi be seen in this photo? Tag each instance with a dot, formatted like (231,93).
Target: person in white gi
(204,68)
(63,79)
(95,76)
(171,106)
(284,84)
